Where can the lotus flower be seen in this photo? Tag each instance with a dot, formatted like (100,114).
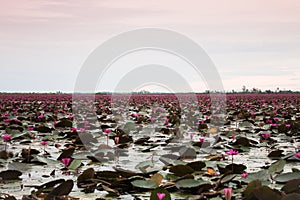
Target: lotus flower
(6,137)
(201,140)
(66,161)
(265,135)
(161,196)
(117,139)
(297,155)
(228,193)
(44,143)
(40,116)
(107,131)
(244,175)
(232,152)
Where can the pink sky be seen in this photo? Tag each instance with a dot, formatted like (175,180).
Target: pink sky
(44,43)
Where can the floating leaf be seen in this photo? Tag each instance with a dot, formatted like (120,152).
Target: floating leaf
(283,178)
(74,164)
(188,184)
(250,187)
(87,175)
(146,184)
(228,178)
(277,166)
(10,175)
(63,189)
(265,192)
(276,153)
(181,170)
(292,186)
(67,153)
(197,165)
(262,175)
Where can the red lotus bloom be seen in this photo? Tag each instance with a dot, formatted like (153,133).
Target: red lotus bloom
(107,131)
(232,152)
(117,139)
(44,143)
(228,193)
(161,196)
(6,137)
(266,135)
(244,175)
(66,161)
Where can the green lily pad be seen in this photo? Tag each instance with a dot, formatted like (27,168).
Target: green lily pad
(74,164)
(146,184)
(277,166)
(283,178)
(188,184)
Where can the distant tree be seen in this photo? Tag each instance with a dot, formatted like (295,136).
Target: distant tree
(244,88)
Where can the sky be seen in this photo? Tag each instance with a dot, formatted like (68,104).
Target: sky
(44,43)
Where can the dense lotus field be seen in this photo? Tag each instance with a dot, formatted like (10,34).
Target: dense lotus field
(158,147)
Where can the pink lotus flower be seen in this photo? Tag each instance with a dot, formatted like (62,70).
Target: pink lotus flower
(5,115)
(66,161)
(228,193)
(288,125)
(274,125)
(73,129)
(232,152)
(201,140)
(161,196)
(107,131)
(6,137)
(44,143)
(40,116)
(117,139)
(152,119)
(135,115)
(269,121)
(7,120)
(244,175)
(297,155)
(30,128)
(265,135)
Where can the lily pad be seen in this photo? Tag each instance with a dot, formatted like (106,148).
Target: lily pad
(277,166)
(146,184)
(283,178)
(10,175)
(63,189)
(188,184)
(292,186)
(181,170)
